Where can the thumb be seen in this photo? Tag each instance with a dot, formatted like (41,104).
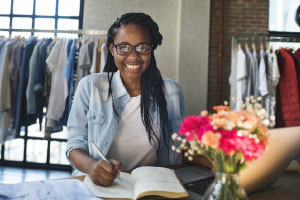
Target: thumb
(117,165)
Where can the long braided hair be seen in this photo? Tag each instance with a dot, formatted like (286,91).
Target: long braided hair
(152,86)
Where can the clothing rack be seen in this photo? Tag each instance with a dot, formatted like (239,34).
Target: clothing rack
(80,31)
(265,38)
(271,40)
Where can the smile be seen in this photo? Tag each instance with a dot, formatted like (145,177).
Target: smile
(133,66)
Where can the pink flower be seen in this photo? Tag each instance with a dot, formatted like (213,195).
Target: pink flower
(212,139)
(194,125)
(231,143)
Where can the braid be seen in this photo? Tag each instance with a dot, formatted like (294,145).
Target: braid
(152,86)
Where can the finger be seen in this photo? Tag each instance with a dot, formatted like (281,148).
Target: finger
(117,165)
(108,167)
(101,177)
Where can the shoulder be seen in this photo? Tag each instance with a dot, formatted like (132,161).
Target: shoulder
(171,87)
(98,80)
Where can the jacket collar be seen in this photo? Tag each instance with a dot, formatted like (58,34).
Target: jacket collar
(118,87)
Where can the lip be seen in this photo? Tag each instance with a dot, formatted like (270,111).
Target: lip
(133,67)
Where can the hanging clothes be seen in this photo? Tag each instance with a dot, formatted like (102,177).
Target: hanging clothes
(69,75)
(273,77)
(255,74)
(30,95)
(93,69)
(262,87)
(57,61)
(104,52)
(14,68)
(241,75)
(84,60)
(22,118)
(288,109)
(250,65)
(5,92)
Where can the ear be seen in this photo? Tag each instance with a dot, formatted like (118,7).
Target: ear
(111,49)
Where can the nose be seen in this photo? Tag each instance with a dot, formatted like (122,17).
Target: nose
(133,53)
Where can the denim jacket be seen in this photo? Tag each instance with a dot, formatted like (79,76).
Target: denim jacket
(92,118)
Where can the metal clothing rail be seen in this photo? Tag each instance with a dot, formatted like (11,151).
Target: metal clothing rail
(265,38)
(80,31)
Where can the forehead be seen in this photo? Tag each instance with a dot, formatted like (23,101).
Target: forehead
(133,34)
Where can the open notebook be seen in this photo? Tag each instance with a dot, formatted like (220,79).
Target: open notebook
(142,182)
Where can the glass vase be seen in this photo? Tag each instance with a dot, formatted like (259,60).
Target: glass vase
(225,187)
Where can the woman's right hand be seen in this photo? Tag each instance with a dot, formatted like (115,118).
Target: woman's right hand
(104,173)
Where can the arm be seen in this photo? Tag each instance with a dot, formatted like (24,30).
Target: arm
(101,172)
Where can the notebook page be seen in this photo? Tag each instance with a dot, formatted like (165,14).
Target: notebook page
(121,188)
(155,179)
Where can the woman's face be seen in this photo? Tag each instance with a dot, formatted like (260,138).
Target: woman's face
(131,66)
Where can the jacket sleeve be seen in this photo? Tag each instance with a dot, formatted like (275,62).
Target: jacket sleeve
(77,125)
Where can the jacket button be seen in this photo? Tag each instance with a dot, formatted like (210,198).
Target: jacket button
(94,117)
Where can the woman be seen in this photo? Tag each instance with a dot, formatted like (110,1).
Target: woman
(130,111)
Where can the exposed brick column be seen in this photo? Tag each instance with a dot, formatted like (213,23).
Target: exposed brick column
(241,18)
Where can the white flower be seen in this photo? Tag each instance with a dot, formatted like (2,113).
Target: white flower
(173,148)
(174,136)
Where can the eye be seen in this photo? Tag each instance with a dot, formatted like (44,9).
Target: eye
(123,47)
(143,48)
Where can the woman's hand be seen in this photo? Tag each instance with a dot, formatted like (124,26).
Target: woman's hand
(104,173)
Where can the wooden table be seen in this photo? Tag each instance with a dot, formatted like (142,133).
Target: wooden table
(287,187)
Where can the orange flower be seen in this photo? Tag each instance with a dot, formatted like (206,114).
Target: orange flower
(221,108)
(218,120)
(234,116)
(212,139)
(262,129)
(251,118)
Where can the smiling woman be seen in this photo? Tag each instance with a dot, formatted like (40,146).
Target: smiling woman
(130,111)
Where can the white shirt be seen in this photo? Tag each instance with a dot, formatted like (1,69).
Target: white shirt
(241,78)
(57,61)
(131,145)
(262,87)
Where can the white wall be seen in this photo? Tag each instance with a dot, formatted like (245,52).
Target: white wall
(184,25)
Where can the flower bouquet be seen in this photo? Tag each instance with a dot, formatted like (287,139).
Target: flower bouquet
(228,139)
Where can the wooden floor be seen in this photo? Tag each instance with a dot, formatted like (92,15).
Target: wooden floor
(19,175)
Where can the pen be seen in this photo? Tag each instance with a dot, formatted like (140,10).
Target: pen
(94,147)
(98,151)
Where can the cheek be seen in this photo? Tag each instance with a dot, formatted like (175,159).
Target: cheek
(118,61)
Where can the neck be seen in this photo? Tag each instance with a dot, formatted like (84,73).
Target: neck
(133,87)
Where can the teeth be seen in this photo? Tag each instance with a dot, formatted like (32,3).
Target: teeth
(132,66)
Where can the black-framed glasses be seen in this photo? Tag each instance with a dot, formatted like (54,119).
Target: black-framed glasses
(125,49)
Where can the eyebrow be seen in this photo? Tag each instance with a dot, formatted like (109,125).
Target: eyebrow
(131,44)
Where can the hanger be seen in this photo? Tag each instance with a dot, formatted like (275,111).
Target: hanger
(261,46)
(253,46)
(246,45)
(267,45)
(239,46)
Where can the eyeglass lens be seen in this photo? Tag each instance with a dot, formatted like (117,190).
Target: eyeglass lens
(125,49)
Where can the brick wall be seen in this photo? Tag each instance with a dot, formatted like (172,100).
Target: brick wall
(240,18)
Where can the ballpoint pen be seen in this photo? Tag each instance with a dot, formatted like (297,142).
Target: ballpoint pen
(98,151)
(94,147)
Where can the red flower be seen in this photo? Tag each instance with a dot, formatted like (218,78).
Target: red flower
(194,125)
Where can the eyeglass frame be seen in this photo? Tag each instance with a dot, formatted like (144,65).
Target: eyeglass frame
(131,48)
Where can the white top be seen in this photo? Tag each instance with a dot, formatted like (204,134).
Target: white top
(241,78)
(131,145)
(94,59)
(103,56)
(263,87)
(57,61)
